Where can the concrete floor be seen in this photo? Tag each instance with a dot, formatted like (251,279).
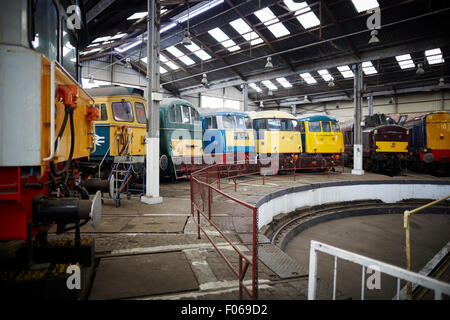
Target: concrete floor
(156,232)
(380,237)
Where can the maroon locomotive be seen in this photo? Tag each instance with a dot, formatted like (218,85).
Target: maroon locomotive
(385,144)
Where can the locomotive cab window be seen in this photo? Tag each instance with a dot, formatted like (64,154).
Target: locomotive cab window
(175,114)
(69,52)
(123,111)
(326,127)
(211,123)
(288,125)
(335,126)
(186,115)
(274,124)
(195,117)
(140,112)
(302,127)
(103,113)
(45,28)
(314,126)
(228,122)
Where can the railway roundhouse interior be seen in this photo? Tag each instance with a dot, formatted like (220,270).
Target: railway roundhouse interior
(256,153)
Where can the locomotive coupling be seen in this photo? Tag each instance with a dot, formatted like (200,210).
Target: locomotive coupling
(67,210)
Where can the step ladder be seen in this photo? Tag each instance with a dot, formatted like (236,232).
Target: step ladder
(123,172)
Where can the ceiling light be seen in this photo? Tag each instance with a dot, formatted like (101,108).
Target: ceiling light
(205,79)
(331,84)
(270,93)
(306,100)
(269,63)
(374,38)
(420,69)
(91,78)
(187,38)
(261,104)
(442,82)
(128,63)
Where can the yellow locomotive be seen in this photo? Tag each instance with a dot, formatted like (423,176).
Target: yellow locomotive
(277,137)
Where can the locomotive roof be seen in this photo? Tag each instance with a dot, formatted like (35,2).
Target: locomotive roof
(422,117)
(111,91)
(317,118)
(167,103)
(272,115)
(222,113)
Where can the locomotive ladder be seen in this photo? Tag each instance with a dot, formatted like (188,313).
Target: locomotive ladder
(123,173)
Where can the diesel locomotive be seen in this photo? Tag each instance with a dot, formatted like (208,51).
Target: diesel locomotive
(385,144)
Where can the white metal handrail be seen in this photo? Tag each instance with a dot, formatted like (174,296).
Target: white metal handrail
(437,286)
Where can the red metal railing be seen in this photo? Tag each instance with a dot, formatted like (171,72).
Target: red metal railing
(207,193)
(205,201)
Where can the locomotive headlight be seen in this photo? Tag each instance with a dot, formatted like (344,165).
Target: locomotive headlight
(375,132)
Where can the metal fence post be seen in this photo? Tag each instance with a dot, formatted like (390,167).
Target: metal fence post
(255,255)
(312,280)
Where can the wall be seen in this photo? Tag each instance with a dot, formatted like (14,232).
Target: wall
(286,201)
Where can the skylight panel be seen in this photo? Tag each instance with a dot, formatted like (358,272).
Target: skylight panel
(246,31)
(364,5)
(199,9)
(368,68)
(137,15)
(163,58)
(255,87)
(118,36)
(186,60)
(346,72)
(197,51)
(325,75)
(267,17)
(221,37)
(284,82)
(177,53)
(434,56)
(309,79)
(128,47)
(172,65)
(162,70)
(405,61)
(304,14)
(269,85)
(102,39)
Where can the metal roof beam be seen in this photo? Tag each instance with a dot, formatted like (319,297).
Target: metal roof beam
(98,8)
(420,45)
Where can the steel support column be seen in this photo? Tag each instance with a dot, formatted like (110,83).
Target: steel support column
(357,139)
(153,98)
(245,96)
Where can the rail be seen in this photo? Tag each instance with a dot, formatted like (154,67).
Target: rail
(437,286)
(203,193)
(406,216)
